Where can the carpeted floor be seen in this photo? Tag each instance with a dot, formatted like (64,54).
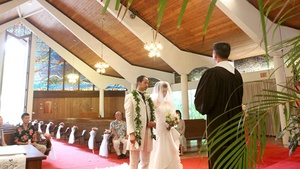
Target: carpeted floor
(80,157)
(276,157)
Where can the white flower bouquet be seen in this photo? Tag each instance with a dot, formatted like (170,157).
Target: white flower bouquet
(172,119)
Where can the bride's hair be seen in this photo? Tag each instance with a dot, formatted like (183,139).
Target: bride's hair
(157,93)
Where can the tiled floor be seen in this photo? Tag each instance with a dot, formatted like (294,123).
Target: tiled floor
(193,149)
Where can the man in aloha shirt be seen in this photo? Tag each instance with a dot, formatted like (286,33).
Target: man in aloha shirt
(25,134)
(118,129)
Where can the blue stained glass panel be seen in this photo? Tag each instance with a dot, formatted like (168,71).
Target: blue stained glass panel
(85,84)
(19,30)
(253,64)
(56,71)
(70,86)
(41,66)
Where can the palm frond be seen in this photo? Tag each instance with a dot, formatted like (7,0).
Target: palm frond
(209,13)
(184,4)
(105,7)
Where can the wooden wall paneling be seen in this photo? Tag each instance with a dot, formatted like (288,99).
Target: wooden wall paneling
(69,108)
(95,105)
(60,108)
(38,108)
(85,106)
(76,107)
(113,101)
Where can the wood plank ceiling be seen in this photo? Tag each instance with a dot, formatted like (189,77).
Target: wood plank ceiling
(111,32)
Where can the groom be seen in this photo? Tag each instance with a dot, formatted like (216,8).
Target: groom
(139,121)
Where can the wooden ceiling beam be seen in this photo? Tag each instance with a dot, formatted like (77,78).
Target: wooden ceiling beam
(170,53)
(240,12)
(125,69)
(10,5)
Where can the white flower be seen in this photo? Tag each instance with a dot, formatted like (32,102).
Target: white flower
(172,119)
(147,95)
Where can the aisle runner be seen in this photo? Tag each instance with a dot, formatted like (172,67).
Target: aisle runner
(122,166)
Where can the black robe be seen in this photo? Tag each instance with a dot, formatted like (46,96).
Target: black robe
(217,88)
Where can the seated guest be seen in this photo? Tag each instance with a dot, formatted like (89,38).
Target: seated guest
(25,134)
(2,141)
(181,129)
(118,129)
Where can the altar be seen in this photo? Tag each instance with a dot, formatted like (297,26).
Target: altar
(32,155)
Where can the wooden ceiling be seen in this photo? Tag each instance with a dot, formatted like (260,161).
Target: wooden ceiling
(111,32)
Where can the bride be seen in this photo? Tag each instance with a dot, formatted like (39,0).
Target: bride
(165,153)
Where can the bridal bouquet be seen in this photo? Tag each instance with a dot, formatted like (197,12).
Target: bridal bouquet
(172,119)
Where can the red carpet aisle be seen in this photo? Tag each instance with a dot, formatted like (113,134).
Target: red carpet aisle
(80,157)
(276,157)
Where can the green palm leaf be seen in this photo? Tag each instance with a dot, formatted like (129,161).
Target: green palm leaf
(184,4)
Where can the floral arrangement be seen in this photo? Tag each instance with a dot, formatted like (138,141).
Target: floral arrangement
(47,136)
(137,120)
(75,127)
(172,119)
(94,128)
(61,123)
(107,131)
(34,122)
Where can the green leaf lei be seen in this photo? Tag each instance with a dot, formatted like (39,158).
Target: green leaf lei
(137,119)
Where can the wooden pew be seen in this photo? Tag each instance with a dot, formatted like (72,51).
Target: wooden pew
(83,124)
(9,131)
(194,129)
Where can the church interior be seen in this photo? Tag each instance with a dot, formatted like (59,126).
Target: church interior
(73,62)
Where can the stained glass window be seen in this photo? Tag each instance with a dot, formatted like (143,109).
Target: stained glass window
(152,81)
(56,71)
(19,30)
(253,64)
(115,87)
(196,74)
(85,84)
(41,66)
(70,86)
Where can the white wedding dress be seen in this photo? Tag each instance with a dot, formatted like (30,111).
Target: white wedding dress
(165,153)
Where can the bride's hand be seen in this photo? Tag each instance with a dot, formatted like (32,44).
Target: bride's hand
(169,127)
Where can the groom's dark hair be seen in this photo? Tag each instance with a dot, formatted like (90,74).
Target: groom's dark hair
(140,79)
